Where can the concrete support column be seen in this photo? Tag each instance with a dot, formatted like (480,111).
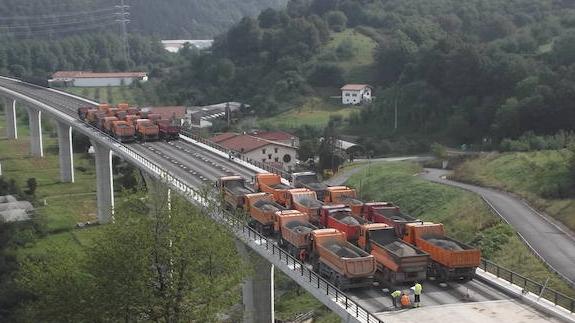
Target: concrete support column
(104,182)
(10,112)
(257,290)
(66,153)
(35,118)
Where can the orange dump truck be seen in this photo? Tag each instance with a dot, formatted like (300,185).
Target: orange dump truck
(107,123)
(123,131)
(294,232)
(452,260)
(233,190)
(146,130)
(262,209)
(168,129)
(390,215)
(344,195)
(272,184)
(397,261)
(306,202)
(340,217)
(344,264)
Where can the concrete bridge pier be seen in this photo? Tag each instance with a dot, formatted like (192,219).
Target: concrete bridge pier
(35,119)
(10,112)
(257,290)
(66,153)
(104,182)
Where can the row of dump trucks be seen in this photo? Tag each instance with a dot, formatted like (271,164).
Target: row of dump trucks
(127,124)
(404,249)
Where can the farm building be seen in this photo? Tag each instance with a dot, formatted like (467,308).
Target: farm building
(274,153)
(202,117)
(91,79)
(356,94)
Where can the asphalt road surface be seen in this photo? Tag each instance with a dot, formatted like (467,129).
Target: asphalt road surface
(551,242)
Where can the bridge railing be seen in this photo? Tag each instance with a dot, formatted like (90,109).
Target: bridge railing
(529,285)
(269,168)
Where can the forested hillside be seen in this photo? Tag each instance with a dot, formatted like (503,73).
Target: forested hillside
(472,71)
(34,59)
(179,19)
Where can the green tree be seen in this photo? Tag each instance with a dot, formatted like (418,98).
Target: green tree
(336,20)
(154,262)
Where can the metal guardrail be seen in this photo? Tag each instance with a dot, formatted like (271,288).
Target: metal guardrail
(269,168)
(529,285)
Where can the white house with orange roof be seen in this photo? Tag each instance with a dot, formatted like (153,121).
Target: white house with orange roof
(91,79)
(356,93)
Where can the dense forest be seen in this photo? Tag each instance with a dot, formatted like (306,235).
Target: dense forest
(167,19)
(34,60)
(472,71)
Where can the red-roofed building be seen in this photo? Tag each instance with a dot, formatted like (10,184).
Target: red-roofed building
(283,137)
(274,153)
(92,79)
(356,93)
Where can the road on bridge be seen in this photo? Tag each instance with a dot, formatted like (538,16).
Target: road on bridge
(549,240)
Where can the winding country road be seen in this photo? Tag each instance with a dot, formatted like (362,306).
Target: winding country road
(552,243)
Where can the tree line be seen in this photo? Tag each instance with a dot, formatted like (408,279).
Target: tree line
(458,71)
(169,19)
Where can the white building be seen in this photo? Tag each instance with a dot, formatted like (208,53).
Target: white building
(174,45)
(356,94)
(91,79)
(276,154)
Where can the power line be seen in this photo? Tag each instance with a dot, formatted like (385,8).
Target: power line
(72,14)
(55,24)
(60,31)
(123,16)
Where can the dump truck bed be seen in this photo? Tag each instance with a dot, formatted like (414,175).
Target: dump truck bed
(392,216)
(343,221)
(396,254)
(298,233)
(449,252)
(263,211)
(345,258)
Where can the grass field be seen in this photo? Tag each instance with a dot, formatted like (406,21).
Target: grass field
(358,68)
(65,204)
(315,112)
(533,175)
(112,95)
(464,215)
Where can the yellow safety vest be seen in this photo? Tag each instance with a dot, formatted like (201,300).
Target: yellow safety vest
(417,289)
(396,294)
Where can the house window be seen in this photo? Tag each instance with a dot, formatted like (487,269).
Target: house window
(263,151)
(287,158)
(270,156)
(275,150)
(263,160)
(355,94)
(347,94)
(277,159)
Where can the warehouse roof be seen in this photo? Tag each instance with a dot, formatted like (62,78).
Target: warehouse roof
(243,143)
(81,74)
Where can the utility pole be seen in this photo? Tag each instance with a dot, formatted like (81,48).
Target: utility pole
(123,19)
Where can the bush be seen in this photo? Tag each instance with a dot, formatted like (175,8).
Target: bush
(326,74)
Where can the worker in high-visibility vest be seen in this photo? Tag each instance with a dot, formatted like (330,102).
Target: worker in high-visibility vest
(405,301)
(394,297)
(417,289)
